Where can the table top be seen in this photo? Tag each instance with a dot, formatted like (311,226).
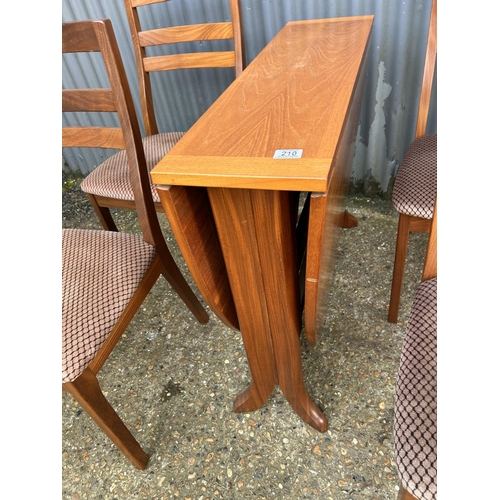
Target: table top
(294,95)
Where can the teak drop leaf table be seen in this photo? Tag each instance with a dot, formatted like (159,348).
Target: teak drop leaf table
(231,188)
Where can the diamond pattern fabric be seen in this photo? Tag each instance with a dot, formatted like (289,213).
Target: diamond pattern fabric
(415,414)
(100,272)
(111,177)
(415,186)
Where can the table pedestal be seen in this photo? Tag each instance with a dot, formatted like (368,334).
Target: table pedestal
(256,229)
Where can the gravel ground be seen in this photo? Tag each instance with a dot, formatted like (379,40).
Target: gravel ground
(173,382)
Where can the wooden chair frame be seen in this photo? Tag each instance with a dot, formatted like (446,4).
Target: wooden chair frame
(128,138)
(430,265)
(145,65)
(98,36)
(408,224)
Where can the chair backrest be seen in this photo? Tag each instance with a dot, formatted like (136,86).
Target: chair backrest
(179,34)
(98,36)
(428,75)
(430,265)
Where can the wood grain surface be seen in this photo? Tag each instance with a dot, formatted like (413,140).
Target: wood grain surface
(302,92)
(190,216)
(294,95)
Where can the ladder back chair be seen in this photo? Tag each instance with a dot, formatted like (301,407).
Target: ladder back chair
(415,409)
(108,186)
(106,275)
(415,185)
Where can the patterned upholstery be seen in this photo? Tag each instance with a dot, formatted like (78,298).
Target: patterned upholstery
(415,186)
(101,271)
(111,177)
(415,414)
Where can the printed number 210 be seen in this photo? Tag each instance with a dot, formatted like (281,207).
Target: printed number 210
(287,153)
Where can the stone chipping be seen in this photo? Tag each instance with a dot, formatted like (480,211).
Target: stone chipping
(173,382)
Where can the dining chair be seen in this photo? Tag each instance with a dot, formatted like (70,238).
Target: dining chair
(106,275)
(415,185)
(415,409)
(108,186)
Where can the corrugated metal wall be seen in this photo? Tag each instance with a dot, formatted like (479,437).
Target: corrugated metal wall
(395,63)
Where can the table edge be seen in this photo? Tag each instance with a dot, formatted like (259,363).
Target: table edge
(178,170)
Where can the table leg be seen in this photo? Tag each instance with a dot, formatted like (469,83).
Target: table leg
(348,220)
(257,234)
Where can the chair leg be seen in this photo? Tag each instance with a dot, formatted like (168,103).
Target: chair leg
(103,214)
(86,390)
(407,224)
(348,220)
(399,266)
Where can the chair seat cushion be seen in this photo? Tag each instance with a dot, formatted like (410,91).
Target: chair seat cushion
(415,413)
(415,186)
(100,272)
(111,178)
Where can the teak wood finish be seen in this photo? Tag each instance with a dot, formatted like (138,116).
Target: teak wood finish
(98,36)
(142,39)
(408,224)
(104,100)
(192,222)
(301,92)
(430,264)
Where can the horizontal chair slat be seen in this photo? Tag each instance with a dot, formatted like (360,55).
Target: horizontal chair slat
(190,33)
(92,100)
(92,137)
(79,37)
(139,3)
(182,61)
